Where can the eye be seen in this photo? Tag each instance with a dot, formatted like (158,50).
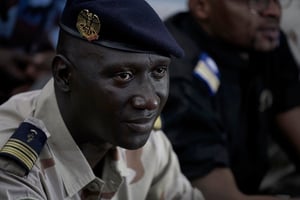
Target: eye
(124,76)
(160,72)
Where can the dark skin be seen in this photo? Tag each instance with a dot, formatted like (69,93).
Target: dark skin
(108,97)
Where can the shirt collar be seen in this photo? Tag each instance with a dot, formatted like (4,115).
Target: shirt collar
(70,162)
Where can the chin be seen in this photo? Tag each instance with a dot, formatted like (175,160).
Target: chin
(266,48)
(266,44)
(133,146)
(135,143)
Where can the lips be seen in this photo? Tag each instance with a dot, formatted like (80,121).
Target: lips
(270,33)
(140,124)
(270,30)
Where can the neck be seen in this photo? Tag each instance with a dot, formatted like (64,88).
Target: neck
(94,153)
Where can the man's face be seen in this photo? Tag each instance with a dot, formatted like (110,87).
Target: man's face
(116,96)
(236,22)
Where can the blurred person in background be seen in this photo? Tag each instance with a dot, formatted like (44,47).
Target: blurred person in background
(236,87)
(282,171)
(28,35)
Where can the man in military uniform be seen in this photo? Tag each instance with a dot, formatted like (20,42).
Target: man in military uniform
(88,134)
(237,85)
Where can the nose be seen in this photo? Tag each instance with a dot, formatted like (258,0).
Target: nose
(273,9)
(146,98)
(148,103)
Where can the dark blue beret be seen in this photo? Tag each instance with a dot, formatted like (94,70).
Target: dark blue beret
(130,25)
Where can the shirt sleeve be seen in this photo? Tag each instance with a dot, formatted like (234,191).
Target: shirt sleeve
(16,187)
(169,182)
(286,78)
(193,125)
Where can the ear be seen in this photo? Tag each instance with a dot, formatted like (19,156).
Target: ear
(62,69)
(199,8)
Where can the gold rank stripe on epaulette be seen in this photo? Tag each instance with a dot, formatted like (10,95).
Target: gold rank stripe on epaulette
(23,152)
(207,70)
(25,145)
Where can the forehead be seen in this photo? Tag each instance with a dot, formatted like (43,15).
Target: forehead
(229,11)
(228,4)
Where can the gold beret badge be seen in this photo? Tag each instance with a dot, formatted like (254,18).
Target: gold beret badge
(88,25)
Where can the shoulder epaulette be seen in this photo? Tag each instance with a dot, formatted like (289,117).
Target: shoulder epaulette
(25,145)
(207,70)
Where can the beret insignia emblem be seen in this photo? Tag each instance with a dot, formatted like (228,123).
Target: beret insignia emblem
(88,25)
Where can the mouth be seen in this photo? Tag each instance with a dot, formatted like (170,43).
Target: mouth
(271,33)
(140,124)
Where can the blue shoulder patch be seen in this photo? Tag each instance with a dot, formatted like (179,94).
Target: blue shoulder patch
(207,71)
(25,145)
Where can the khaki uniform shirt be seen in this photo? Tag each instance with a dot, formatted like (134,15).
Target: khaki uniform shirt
(61,171)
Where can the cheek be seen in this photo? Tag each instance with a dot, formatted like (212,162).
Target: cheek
(165,93)
(92,95)
(238,32)
(114,100)
(245,34)
(162,90)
